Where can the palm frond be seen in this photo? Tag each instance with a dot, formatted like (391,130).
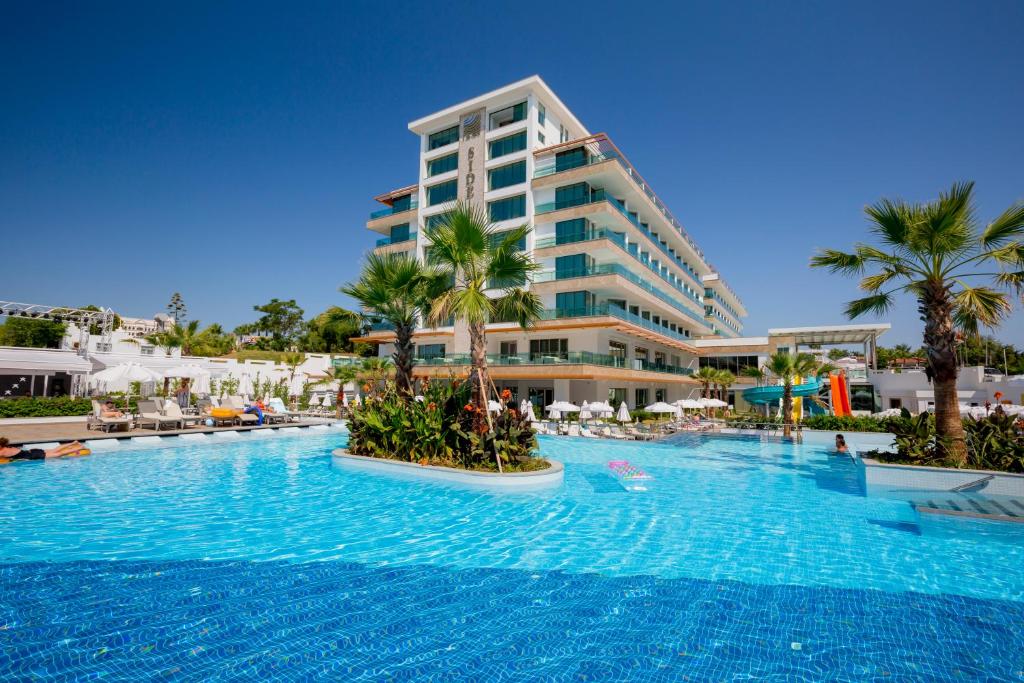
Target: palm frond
(1012,280)
(518,305)
(876,303)
(838,261)
(946,225)
(1008,226)
(973,306)
(873,283)
(891,221)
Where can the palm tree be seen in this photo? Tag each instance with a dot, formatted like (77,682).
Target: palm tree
(753,372)
(723,381)
(186,337)
(471,253)
(936,252)
(786,366)
(398,289)
(706,375)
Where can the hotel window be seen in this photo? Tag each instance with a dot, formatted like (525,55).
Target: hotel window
(572,195)
(428,351)
(431,221)
(574,265)
(508,116)
(617,350)
(563,134)
(567,232)
(616,396)
(634,310)
(442,192)
(403,203)
(399,233)
(443,137)
(640,353)
(540,137)
(617,303)
(448,162)
(504,176)
(513,143)
(509,348)
(659,359)
(572,158)
(549,348)
(569,304)
(641,398)
(497,237)
(659,395)
(506,209)
(542,113)
(675,360)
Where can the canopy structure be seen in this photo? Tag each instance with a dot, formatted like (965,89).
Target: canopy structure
(866,334)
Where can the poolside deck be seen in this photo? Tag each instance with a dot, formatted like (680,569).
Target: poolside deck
(47,432)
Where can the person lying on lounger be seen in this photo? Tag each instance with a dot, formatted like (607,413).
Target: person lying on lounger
(110,410)
(10,453)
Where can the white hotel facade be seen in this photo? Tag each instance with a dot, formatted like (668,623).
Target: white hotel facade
(627,292)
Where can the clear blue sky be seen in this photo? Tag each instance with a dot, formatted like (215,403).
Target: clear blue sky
(231,153)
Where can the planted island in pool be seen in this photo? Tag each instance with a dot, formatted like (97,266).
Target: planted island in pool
(442,427)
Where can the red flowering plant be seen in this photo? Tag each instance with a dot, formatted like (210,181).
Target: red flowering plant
(442,429)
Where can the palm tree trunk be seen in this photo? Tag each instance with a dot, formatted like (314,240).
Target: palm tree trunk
(936,308)
(787,410)
(479,376)
(404,359)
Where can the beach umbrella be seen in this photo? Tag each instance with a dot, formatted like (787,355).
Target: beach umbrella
(712,403)
(245,387)
(494,406)
(689,404)
(585,413)
(661,408)
(344,400)
(623,414)
(356,401)
(127,372)
(601,409)
(297,385)
(188,371)
(530,417)
(201,385)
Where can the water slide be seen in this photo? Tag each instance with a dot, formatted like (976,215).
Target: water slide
(768,394)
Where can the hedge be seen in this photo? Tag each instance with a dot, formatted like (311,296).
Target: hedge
(57,406)
(846,423)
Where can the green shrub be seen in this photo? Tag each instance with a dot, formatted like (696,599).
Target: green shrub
(57,406)
(995,442)
(439,431)
(846,423)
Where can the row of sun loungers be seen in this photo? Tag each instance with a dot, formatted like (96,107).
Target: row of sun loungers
(160,414)
(634,432)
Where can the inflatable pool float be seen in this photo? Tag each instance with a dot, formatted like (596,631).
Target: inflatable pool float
(627,473)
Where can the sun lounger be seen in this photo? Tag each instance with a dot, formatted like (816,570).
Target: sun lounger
(236,403)
(97,421)
(173,410)
(149,415)
(281,410)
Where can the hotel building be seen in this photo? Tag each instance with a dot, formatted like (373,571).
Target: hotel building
(627,292)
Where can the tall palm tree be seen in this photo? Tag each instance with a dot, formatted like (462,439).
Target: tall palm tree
(470,252)
(786,366)
(723,380)
(398,289)
(960,276)
(706,375)
(753,372)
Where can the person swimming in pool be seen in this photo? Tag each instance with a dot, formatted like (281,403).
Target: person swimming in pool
(841,446)
(11,453)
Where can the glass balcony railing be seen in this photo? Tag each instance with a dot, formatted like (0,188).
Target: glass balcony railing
(598,196)
(622,271)
(386,241)
(606,154)
(631,249)
(569,358)
(606,309)
(391,210)
(709,294)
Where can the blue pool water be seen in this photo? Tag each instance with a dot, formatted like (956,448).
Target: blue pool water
(256,558)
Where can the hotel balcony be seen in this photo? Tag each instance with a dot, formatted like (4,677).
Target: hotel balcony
(602,204)
(402,205)
(612,279)
(388,245)
(570,365)
(602,243)
(602,163)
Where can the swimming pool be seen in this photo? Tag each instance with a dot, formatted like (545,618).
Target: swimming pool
(256,558)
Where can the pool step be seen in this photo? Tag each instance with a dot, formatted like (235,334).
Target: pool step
(1008,510)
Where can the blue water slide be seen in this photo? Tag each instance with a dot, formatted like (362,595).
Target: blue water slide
(769,394)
